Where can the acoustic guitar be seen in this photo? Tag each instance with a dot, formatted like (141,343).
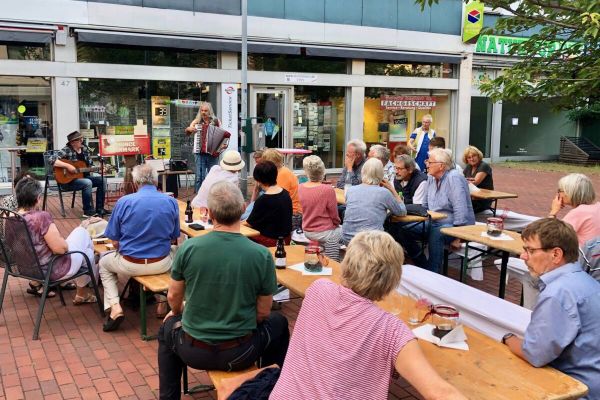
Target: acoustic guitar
(63,176)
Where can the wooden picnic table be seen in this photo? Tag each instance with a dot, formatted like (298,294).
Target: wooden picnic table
(472,233)
(494,195)
(489,370)
(245,230)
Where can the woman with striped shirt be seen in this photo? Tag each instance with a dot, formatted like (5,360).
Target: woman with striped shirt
(344,346)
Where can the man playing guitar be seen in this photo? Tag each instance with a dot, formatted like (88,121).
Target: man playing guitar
(75,151)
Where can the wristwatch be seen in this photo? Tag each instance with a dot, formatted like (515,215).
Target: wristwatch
(505,337)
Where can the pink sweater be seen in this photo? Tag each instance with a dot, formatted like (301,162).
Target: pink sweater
(319,206)
(585,219)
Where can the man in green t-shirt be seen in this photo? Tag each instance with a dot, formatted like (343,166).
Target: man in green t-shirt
(228,283)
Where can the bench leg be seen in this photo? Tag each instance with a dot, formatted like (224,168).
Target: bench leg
(143,316)
(196,389)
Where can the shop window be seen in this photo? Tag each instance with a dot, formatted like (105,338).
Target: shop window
(409,69)
(162,109)
(533,129)
(481,124)
(283,62)
(391,115)
(25,120)
(319,123)
(146,56)
(24,52)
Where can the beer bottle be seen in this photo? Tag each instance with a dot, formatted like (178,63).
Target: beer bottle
(280,256)
(189,213)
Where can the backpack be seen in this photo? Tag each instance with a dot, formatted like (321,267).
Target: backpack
(589,257)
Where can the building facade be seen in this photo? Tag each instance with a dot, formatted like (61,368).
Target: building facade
(320,72)
(504,130)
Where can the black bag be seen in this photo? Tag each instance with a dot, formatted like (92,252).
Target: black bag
(178,165)
(416,209)
(258,388)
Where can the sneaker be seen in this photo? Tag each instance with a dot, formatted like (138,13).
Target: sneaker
(102,212)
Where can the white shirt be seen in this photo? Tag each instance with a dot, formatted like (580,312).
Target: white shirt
(216,174)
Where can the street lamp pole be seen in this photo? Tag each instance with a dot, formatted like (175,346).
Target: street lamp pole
(244,114)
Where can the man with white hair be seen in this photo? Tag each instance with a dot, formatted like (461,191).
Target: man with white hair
(354,160)
(382,153)
(447,193)
(143,227)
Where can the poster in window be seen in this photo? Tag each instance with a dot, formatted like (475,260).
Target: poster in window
(161,147)
(161,114)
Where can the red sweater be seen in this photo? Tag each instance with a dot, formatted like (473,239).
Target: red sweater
(319,206)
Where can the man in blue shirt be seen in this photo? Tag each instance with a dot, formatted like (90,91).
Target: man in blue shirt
(565,322)
(143,226)
(447,193)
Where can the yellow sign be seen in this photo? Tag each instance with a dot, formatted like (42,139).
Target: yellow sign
(161,147)
(36,145)
(473,21)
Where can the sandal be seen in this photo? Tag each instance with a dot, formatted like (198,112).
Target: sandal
(37,290)
(89,298)
(68,286)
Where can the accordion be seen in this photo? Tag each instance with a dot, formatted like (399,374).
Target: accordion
(217,138)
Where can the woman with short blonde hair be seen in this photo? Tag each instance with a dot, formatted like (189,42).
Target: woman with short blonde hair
(320,219)
(577,191)
(479,173)
(367,204)
(342,321)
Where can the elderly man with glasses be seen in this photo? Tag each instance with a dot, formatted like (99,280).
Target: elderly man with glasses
(564,326)
(447,193)
(409,181)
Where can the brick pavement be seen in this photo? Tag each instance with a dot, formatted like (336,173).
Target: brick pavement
(75,359)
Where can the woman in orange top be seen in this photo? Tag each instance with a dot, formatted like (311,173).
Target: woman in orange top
(287,180)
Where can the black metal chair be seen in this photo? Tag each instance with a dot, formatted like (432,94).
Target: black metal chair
(19,259)
(50,177)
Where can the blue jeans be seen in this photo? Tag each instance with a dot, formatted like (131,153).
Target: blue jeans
(86,184)
(204,162)
(437,241)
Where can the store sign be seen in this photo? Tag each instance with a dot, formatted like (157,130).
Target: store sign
(161,147)
(87,133)
(407,102)
(185,103)
(124,145)
(473,21)
(300,78)
(37,145)
(229,112)
(500,45)
(161,115)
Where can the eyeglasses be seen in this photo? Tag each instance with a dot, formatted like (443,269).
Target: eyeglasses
(531,250)
(399,168)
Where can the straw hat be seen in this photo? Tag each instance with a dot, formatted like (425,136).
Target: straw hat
(232,161)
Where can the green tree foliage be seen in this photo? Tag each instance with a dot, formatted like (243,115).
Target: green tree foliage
(570,74)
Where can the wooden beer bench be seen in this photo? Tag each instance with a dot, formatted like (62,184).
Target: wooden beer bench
(217,378)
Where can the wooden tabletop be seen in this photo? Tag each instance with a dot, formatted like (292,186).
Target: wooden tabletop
(436,216)
(487,371)
(245,230)
(171,172)
(486,194)
(472,233)
(340,195)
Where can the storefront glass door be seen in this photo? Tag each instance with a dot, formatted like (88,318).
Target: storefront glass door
(272,108)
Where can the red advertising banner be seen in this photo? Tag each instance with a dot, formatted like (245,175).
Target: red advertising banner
(407,102)
(124,145)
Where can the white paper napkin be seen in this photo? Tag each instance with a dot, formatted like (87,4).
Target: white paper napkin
(502,236)
(455,339)
(300,268)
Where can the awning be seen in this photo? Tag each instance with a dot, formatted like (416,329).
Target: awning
(179,42)
(384,55)
(12,35)
(217,44)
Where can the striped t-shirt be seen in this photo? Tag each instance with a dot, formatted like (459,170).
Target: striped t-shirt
(343,347)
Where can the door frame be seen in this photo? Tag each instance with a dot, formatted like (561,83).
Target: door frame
(288,92)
